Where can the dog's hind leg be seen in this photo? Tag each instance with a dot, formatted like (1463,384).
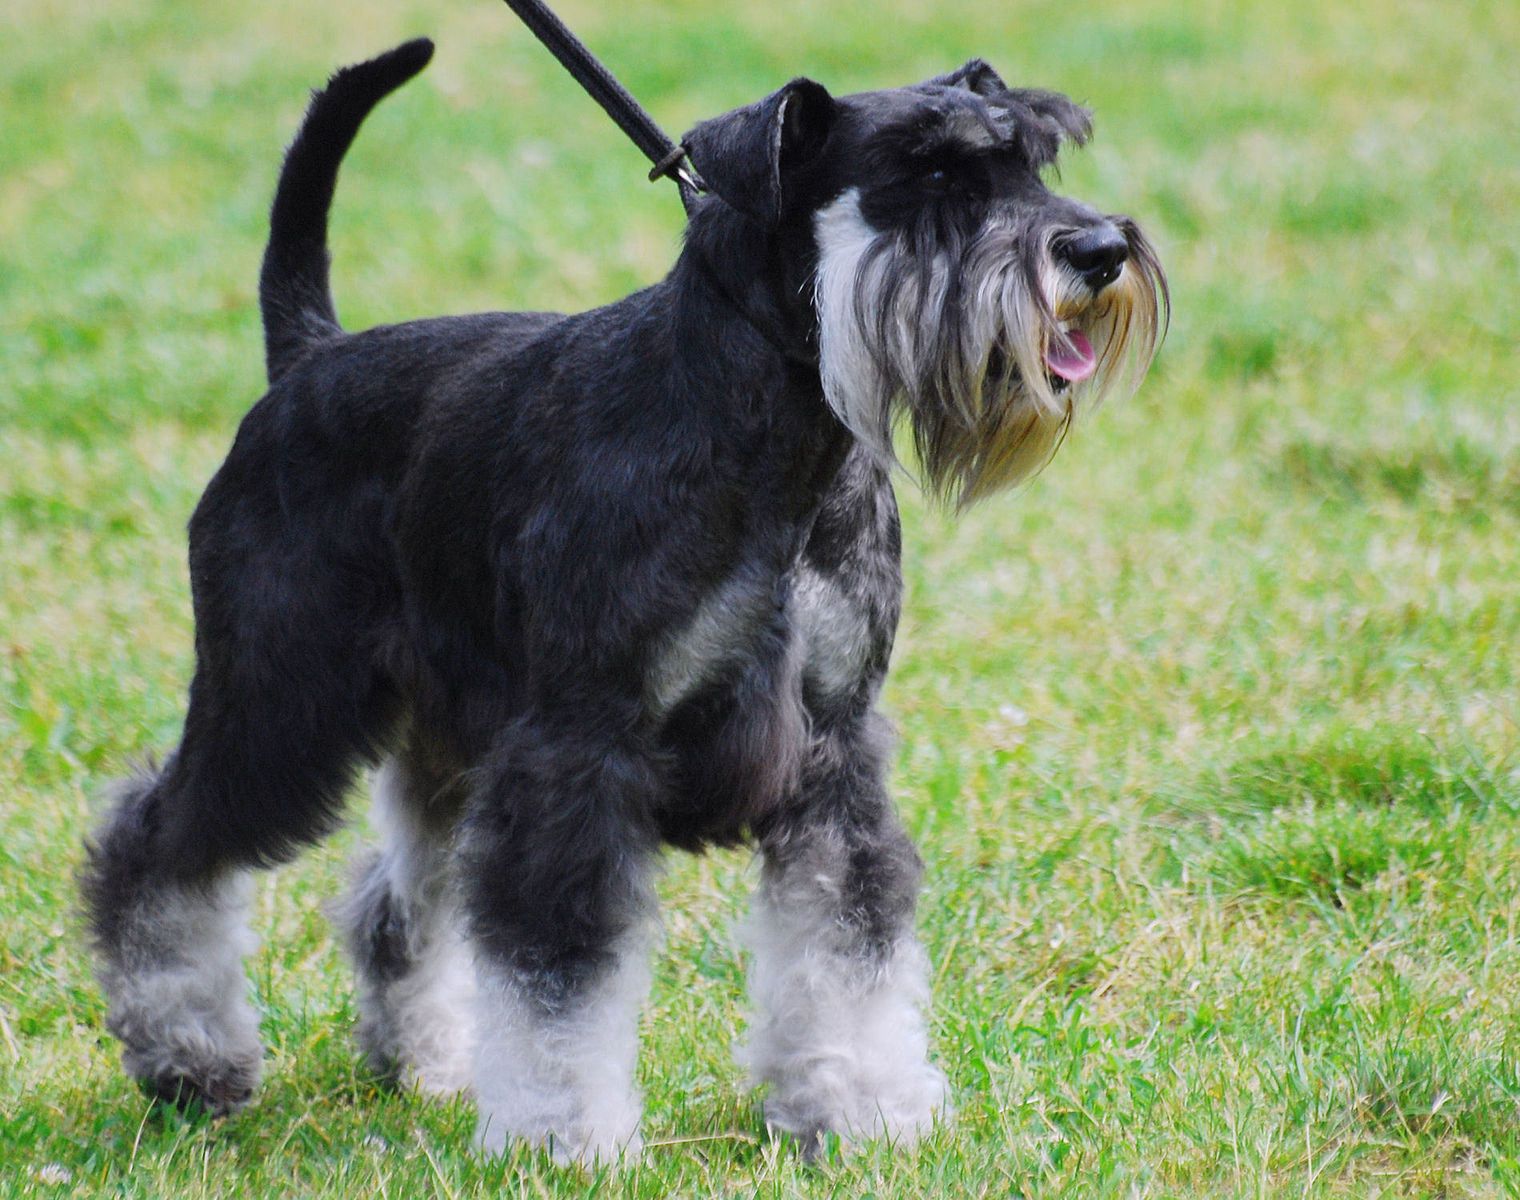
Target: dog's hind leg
(167,883)
(405,931)
(837,977)
(170,951)
(556,877)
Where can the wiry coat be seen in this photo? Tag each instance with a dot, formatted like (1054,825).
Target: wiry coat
(591,585)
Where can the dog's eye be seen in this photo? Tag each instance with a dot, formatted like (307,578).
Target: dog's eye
(936,181)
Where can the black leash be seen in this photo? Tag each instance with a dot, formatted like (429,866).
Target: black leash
(669,158)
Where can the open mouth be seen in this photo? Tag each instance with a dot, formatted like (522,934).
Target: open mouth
(1069,358)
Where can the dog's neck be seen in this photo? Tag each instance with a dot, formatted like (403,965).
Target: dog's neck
(761,323)
(775,297)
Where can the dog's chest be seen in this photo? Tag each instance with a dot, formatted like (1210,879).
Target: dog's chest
(820,623)
(834,631)
(806,633)
(719,640)
(736,688)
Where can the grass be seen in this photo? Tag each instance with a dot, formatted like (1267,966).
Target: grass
(1209,735)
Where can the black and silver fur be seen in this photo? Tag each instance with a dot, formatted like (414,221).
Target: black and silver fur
(583,587)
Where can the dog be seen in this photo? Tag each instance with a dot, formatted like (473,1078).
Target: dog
(584,587)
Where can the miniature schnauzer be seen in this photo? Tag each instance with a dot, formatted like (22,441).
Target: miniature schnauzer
(582,587)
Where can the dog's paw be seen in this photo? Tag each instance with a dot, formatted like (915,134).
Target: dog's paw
(569,1147)
(217,1093)
(194,1060)
(815,1108)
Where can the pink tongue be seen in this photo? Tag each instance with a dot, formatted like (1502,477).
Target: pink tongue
(1075,360)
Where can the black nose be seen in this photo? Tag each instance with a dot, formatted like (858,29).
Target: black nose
(1096,253)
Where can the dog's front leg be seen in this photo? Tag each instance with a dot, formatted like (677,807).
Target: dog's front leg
(837,977)
(556,884)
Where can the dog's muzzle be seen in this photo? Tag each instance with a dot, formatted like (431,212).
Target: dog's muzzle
(988,346)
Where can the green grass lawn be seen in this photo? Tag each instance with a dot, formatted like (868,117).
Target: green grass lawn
(1209,734)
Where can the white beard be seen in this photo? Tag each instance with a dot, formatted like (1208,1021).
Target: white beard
(970,365)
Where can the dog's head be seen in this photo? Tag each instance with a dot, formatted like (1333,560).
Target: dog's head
(948,283)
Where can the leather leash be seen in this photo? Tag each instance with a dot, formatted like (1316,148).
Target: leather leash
(668,157)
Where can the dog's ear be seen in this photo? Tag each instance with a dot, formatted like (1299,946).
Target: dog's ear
(747,156)
(976,76)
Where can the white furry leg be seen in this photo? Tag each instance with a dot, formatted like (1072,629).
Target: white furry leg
(426,1019)
(562,1075)
(838,1030)
(171,965)
(416,978)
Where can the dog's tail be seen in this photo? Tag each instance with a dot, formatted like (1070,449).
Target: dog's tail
(294,296)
